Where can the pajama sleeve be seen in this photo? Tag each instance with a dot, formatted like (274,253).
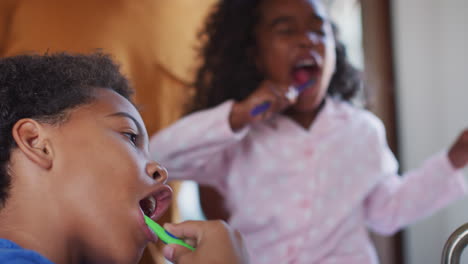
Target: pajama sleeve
(198,146)
(396,201)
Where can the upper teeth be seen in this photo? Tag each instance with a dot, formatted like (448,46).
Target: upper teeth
(152,203)
(305,62)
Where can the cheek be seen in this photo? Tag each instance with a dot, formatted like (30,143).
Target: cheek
(97,181)
(103,193)
(329,62)
(100,171)
(273,58)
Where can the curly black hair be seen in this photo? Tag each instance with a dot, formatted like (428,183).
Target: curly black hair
(226,40)
(45,88)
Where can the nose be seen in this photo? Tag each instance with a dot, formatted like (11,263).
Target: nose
(157,172)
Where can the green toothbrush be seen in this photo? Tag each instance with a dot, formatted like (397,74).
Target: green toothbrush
(165,236)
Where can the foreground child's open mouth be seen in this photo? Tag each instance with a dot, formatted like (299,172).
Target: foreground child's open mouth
(156,203)
(152,207)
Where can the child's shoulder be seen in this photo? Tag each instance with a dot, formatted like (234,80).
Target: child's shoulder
(10,252)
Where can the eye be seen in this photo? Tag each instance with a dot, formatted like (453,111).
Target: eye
(318,31)
(321,32)
(285,30)
(132,137)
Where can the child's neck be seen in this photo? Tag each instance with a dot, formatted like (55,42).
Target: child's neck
(34,230)
(305,119)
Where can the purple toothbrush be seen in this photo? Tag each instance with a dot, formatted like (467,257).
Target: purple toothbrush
(291,94)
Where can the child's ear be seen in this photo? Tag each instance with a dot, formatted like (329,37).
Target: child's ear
(31,138)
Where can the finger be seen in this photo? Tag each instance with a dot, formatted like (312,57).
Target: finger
(259,109)
(275,91)
(271,94)
(267,115)
(464,136)
(279,87)
(174,252)
(188,229)
(262,103)
(192,242)
(289,97)
(276,104)
(241,243)
(280,105)
(281,94)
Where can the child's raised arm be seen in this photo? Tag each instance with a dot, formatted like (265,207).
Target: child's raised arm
(197,146)
(397,201)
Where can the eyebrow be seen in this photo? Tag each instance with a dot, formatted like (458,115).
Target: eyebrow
(127,115)
(281,19)
(286,19)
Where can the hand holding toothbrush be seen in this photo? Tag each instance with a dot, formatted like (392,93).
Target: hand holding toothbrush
(215,242)
(268,99)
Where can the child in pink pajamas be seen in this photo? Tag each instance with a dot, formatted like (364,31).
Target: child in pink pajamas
(305,178)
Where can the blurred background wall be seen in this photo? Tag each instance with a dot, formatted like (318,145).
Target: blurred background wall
(431,38)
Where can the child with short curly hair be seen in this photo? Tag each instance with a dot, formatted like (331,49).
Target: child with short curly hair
(75,175)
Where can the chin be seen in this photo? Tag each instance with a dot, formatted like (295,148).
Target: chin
(305,108)
(128,257)
(310,104)
(124,251)
(136,258)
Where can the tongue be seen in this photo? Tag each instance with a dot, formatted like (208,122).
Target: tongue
(301,76)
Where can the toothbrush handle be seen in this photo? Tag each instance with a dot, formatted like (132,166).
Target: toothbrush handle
(260,108)
(164,235)
(175,240)
(265,105)
(305,85)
